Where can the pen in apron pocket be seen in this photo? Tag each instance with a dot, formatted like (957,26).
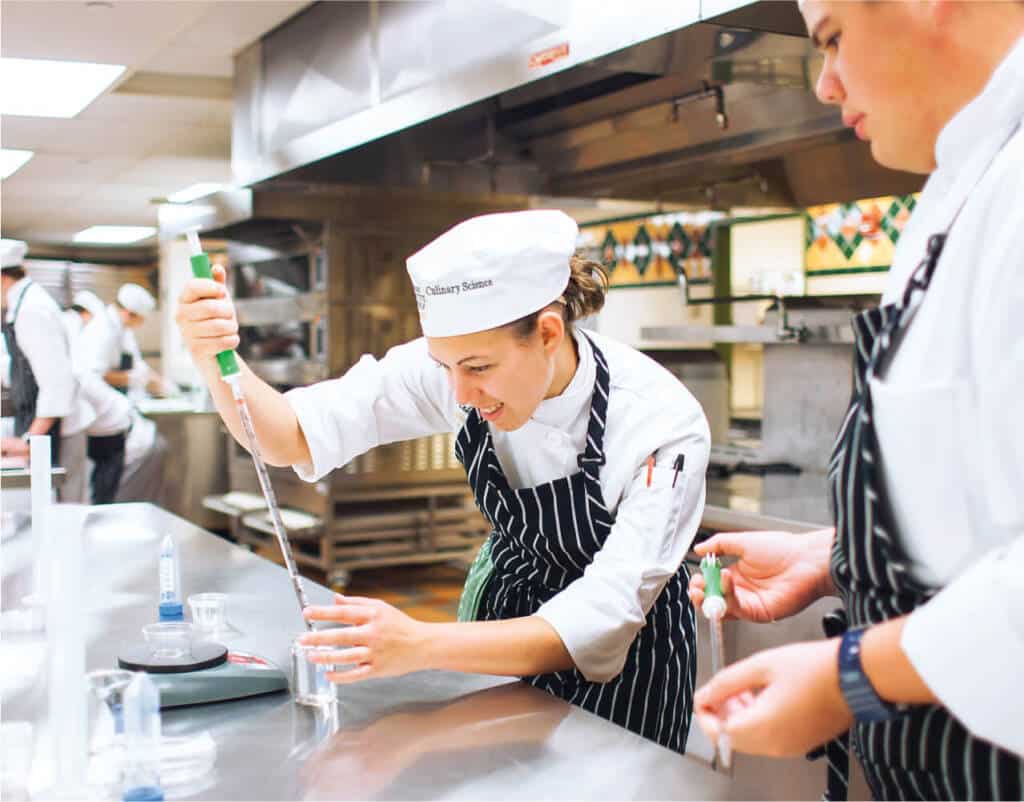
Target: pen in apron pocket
(677,466)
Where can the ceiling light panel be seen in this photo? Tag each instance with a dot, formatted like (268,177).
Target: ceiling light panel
(43,88)
(114,235)
(13,160)
(195,192)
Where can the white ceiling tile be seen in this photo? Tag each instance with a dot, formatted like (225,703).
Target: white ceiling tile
(38,190)
(103,166)
(191,60)
(172,171)
(226,28)
(47,168)
(157,111)
(126,33)
(200,142)
(82,137)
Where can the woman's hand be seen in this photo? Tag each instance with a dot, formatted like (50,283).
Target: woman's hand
(380,641)
(778,574)
(206,316)
(780,703)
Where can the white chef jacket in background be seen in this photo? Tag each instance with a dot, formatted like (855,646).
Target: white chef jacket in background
(407,395)
(103,339)
(112,410)
(950,417)
(41,337)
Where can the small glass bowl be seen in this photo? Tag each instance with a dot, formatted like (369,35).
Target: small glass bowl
(209,611)
(169,639)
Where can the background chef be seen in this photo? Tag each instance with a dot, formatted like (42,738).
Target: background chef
(44,392)
(110,347)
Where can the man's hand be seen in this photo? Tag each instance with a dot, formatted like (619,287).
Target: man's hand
(778,574)
(780,703)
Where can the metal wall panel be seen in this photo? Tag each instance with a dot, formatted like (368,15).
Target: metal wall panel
(315,70)
(394,78)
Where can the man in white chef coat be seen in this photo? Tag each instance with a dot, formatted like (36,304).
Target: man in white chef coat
(927,476)
(45,394)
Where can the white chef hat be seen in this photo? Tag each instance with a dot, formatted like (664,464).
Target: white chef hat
(88,301)
(492,270)
(12,252)
(136,299)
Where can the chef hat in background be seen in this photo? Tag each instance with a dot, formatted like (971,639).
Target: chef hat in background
(89,301)
(136,299)
(492,270)
(12,252)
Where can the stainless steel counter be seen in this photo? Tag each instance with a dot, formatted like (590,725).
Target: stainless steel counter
(195,462)
(776,501)
(21,478)
(434,735)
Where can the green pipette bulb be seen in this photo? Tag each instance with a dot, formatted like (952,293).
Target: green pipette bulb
(201,269)
(711,567)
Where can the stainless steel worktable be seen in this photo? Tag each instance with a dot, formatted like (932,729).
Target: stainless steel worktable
(432,735)
(21,478)
(792,503)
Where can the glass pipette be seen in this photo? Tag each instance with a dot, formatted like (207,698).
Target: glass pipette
(714,610)
(230,373)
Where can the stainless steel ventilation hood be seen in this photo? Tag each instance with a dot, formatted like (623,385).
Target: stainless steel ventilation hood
(709,104)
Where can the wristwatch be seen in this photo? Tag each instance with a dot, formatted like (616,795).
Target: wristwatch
(857,690)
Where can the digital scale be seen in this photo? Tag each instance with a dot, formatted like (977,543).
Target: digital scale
(211,673)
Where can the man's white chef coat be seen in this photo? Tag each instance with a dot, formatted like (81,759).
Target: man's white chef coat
(42,339)
(407,395)
(950,417)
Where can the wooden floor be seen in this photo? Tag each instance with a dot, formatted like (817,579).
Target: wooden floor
(425,592)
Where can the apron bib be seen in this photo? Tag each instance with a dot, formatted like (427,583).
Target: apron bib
(24,389)
(542,540)
(923,752)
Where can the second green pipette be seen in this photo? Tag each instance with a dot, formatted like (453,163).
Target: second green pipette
(230,373)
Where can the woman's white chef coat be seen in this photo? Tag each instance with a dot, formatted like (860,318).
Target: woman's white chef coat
(950,417)
(43,340)
(112,410)
(407,395)
(103,340)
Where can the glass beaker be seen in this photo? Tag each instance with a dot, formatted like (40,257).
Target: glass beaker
(209,611)
(169,639)
(310,685)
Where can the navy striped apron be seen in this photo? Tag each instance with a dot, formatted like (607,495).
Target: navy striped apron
(542,540)
(24,388)
(924,752)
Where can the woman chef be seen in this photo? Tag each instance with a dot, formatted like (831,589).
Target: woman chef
(580,588)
